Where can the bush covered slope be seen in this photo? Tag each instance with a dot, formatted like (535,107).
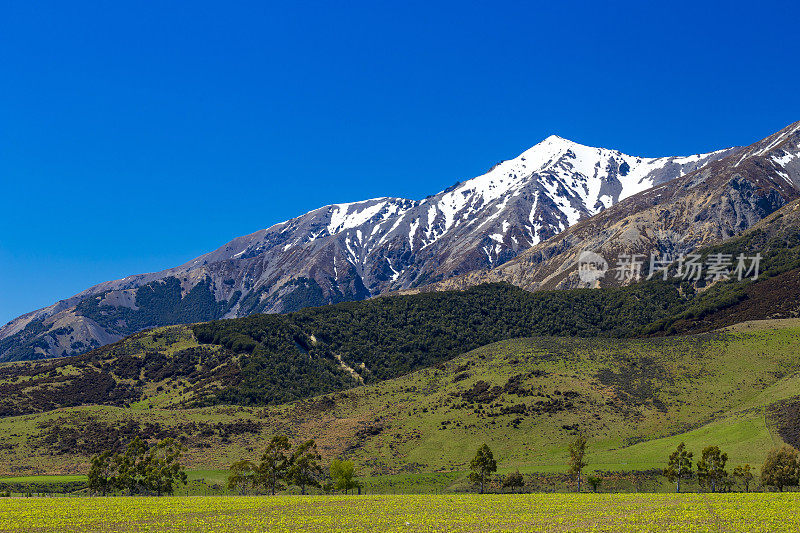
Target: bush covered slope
(271,359)
(635,399)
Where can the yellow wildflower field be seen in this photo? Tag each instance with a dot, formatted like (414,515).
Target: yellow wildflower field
(408,513)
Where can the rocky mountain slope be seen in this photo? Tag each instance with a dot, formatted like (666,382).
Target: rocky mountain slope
(356,250)
(706,206)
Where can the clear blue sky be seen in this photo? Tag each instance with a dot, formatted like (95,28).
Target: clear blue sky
(135,138)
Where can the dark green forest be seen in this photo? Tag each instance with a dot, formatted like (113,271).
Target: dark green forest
(391,336)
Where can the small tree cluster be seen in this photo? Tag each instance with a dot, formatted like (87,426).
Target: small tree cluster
(744,476)
(279,466)
(577,462)
(482,466)
(513,481)
(140,469)
(781,468)
(594,482)
(343,476)
(711,471)
(679,466)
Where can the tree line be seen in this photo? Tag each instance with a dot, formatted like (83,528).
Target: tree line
(282,466)
(155,469)
(139,469)
(781,469)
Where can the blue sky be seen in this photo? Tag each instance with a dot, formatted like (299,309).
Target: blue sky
(136,136)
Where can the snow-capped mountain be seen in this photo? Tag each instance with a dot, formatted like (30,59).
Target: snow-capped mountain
(352,251)
(394,243)
(718,201)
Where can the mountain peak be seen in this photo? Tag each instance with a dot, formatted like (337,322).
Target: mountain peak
(557,140)
(354,250)
(551,149)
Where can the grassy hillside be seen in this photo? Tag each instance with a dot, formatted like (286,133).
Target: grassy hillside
(273,359)
(526,398)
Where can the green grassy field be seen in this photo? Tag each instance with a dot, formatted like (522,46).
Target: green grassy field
(42,479)
(458,513)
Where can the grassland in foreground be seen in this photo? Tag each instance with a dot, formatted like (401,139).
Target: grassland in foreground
(467,513)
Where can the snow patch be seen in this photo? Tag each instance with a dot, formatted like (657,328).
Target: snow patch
(343,219)
(412,230)
(784,159)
